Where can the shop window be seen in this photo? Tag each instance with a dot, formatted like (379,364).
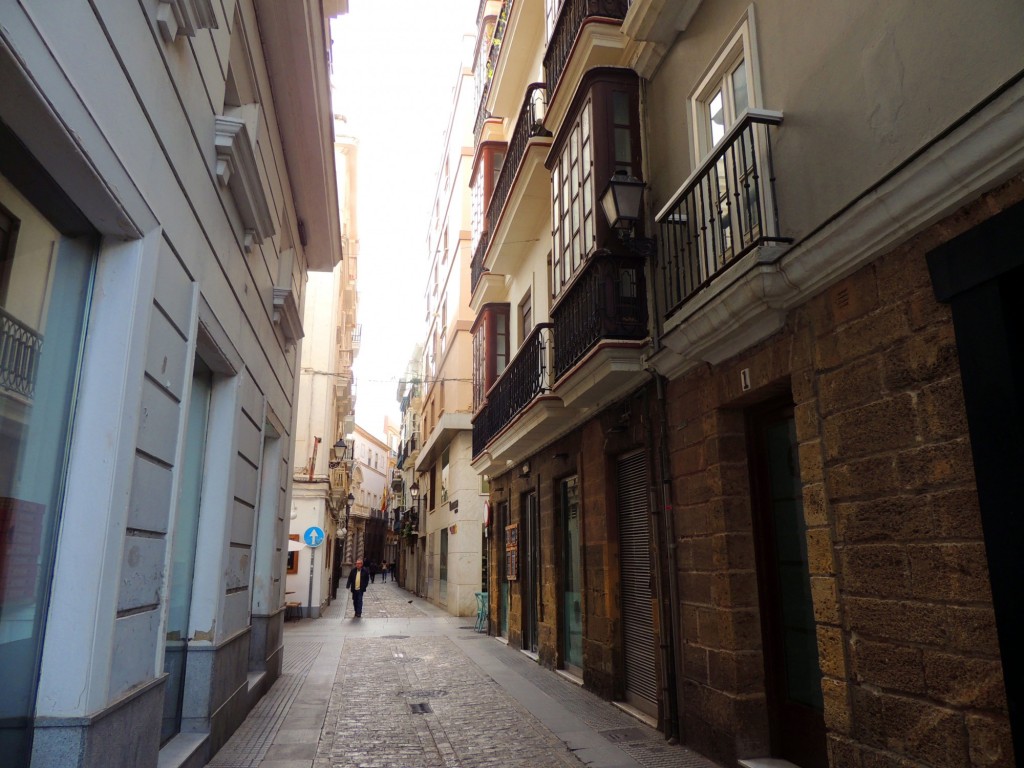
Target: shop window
(45,275)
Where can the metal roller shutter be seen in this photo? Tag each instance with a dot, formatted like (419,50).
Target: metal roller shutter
(635,575)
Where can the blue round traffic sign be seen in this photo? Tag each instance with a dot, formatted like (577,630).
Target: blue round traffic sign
(314,536)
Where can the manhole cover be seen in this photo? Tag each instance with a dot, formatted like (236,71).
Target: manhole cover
(420,708)
(625,734)
(426,693)
(394,637)
(654,748)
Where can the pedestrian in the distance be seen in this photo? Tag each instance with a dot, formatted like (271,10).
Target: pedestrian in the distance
(384,572)
(372,565)
(391,569)
(358,579)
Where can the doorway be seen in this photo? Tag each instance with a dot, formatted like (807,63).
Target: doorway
(792,671)
(636,582)
(184,540)
(572,583)
(503,573)
(531,572)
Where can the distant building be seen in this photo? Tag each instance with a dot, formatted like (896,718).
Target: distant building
(368,517)
(325,418)
(412,544)
(450,496)
(166,185)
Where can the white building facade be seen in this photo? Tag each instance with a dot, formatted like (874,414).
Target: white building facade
(326,403)
(166,184)
(450,498)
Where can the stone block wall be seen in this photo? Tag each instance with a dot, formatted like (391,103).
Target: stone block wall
(906,633)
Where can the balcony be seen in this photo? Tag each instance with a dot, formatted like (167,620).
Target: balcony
(591,354)
(529,124)
(577,44)
(607,301)
(521,200)
(722,279)
(723,211)
(497,35)
(19,356)
(397,483)
(477,265)
(527,376)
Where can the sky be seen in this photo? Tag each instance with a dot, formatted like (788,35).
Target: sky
(395,64)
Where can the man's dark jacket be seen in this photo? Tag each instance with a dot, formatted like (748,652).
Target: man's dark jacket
(363,580)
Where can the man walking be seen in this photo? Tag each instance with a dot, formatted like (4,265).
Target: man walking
(358,578)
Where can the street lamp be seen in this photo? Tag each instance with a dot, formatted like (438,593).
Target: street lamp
(622,204)
(414,491)
(621,201)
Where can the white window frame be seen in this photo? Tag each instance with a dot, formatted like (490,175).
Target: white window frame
(741,44)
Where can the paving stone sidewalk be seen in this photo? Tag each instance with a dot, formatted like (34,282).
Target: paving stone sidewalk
(407,686)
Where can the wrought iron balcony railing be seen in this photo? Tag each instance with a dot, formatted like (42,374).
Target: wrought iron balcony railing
(497,35)
(477,265)
(527,376)
(529,124)
(725,209)
(607,301)
(570,21)
(19,356)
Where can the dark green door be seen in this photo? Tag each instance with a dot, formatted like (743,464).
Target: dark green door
(572,611)
(792,671)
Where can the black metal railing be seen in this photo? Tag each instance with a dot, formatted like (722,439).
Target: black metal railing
(607,301)
(527,376)
(724,210)
(19,356)
(567,27)
(529,124)
(481,115)
(477,265)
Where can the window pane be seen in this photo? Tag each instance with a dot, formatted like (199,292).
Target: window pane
(620,108)
(47,277)
(740,100)
(623,146)
(501,340)
(716,115)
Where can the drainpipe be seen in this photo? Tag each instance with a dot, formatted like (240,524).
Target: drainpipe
(665,515)
(668,519)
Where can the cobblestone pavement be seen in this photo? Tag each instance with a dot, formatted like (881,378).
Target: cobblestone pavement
(416,702)
(407,686)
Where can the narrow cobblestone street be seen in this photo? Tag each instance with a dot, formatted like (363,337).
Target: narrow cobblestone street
(408,686)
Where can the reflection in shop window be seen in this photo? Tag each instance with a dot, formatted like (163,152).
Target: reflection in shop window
(44,284)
